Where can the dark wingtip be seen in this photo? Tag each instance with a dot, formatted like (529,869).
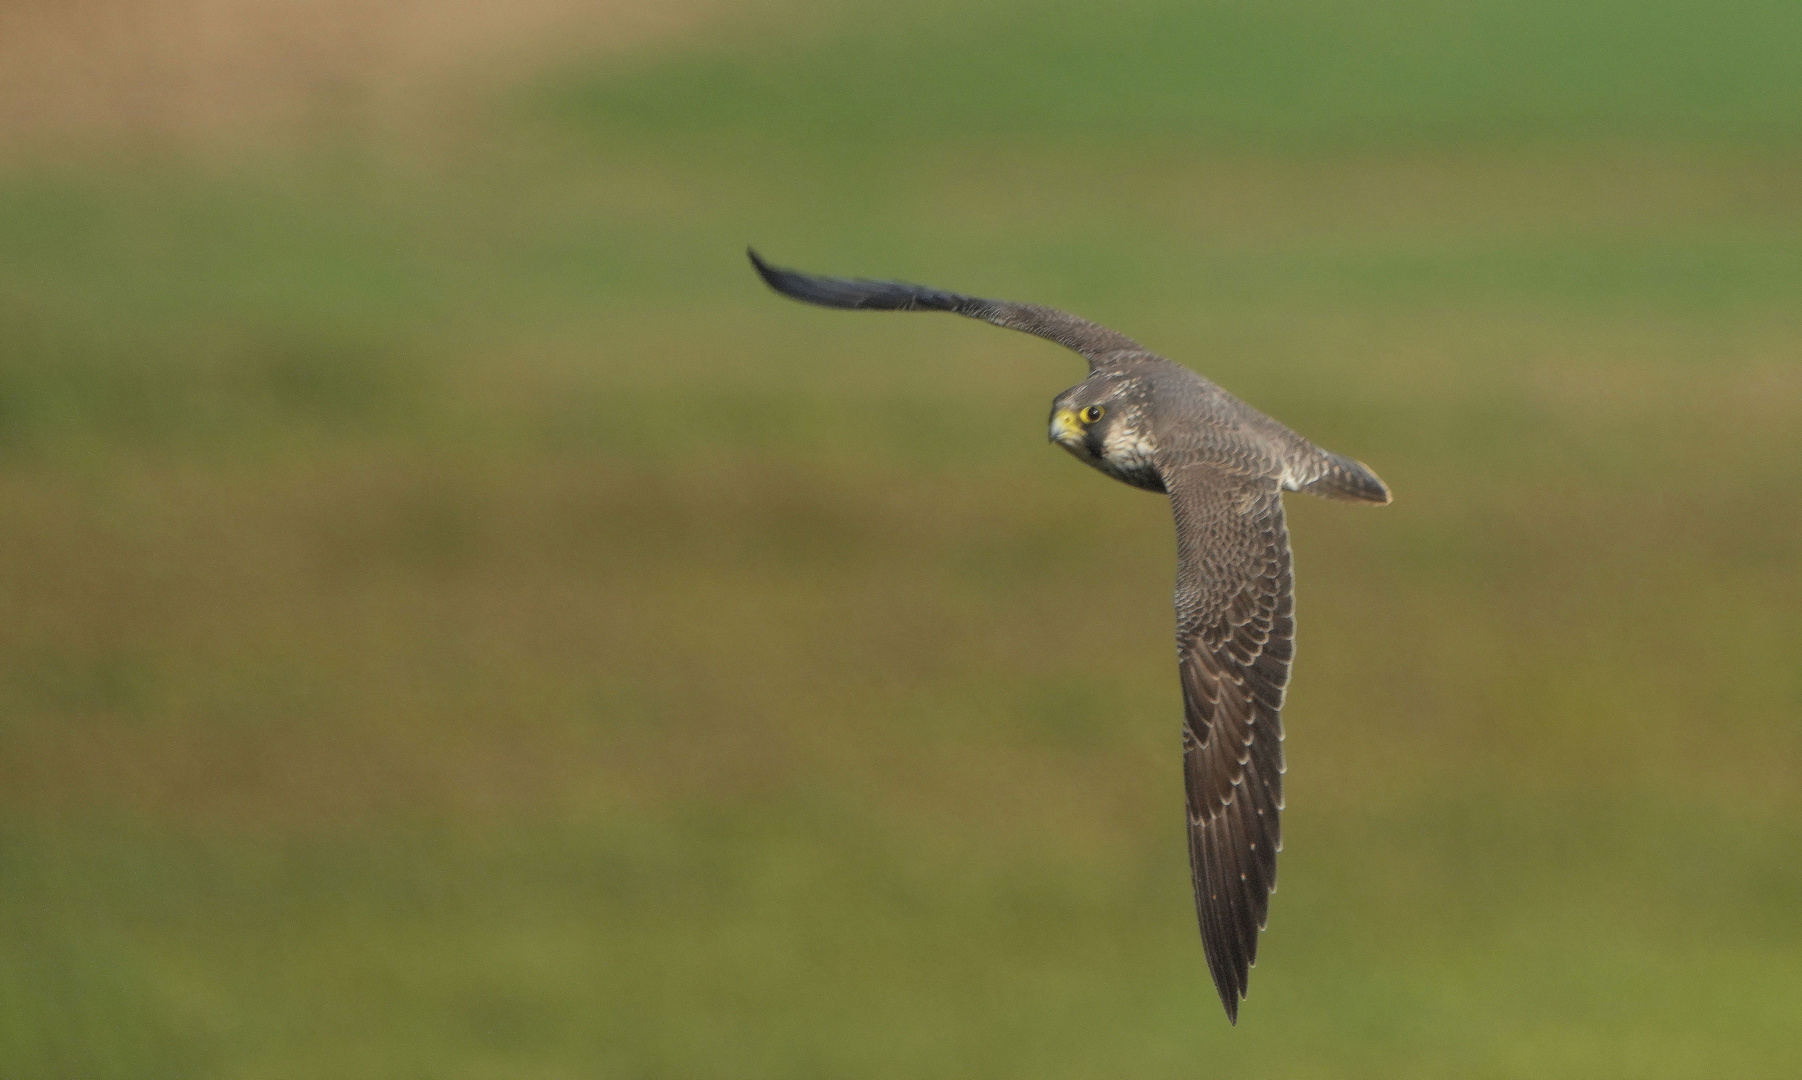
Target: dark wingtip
(770,274)
(792,283)
(1231,993)
(854,293)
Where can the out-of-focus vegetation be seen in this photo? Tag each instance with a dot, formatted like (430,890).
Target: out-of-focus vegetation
(456,623)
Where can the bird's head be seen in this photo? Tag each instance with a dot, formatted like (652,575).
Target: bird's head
(1085,417)
(1107,423)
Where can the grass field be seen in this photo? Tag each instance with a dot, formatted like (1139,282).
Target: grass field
(456,623)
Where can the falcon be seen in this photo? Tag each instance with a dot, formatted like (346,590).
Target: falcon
(1156,425)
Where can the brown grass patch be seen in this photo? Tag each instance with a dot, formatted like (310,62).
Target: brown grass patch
(196,70)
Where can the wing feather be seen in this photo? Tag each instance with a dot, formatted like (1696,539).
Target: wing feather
(1235,634)
(1096,343)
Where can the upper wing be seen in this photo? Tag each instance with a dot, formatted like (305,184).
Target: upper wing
(1096,343)
(1235,636)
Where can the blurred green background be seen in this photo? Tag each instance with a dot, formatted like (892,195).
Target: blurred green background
(454,622)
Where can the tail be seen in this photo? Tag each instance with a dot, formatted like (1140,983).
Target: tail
(1347,481)
(1097,344)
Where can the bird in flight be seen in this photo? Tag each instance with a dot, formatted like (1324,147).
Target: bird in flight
(1156,425)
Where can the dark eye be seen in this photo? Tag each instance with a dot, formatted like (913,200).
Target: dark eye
(1092,414)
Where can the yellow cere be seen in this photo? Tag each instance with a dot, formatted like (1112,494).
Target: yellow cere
(1066,428)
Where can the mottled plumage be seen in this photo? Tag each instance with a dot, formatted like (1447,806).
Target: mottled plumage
(1159,426)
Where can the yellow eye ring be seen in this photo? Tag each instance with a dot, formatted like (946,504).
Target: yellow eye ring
(1091,414)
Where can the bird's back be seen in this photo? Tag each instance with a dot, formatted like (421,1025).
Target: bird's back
(1200,422)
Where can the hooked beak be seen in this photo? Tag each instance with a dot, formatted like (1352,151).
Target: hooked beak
(1065,430)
